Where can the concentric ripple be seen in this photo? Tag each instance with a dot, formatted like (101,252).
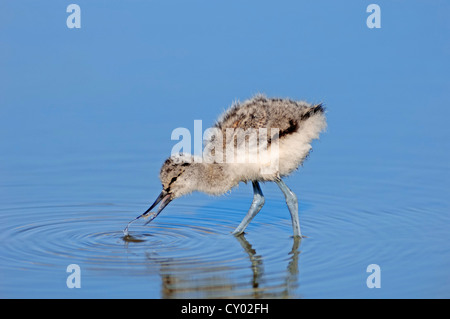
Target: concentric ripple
(187,252)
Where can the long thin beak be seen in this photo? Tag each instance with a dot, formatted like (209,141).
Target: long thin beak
(165,198)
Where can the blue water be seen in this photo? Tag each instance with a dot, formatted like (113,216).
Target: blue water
(86,118)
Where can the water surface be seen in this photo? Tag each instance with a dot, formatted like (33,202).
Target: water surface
(86,118)
(350,220)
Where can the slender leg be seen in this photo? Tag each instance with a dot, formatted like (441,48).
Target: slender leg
(292,203)
(257,204)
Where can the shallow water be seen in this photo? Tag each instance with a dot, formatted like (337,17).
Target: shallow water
(57,216)
(86,118)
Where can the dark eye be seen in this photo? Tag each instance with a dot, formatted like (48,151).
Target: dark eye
(173,180)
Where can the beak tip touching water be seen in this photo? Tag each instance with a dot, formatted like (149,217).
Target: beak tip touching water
(164,197)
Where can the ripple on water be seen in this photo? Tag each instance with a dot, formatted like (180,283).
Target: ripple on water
(188,251)
(193,255)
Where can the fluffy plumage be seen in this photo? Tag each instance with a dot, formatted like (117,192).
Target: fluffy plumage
(291,126)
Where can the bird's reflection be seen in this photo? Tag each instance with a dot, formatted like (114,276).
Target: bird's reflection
(201,278)
(291,275)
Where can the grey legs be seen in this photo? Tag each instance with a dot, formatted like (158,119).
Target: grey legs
(257,204)
(291,201)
